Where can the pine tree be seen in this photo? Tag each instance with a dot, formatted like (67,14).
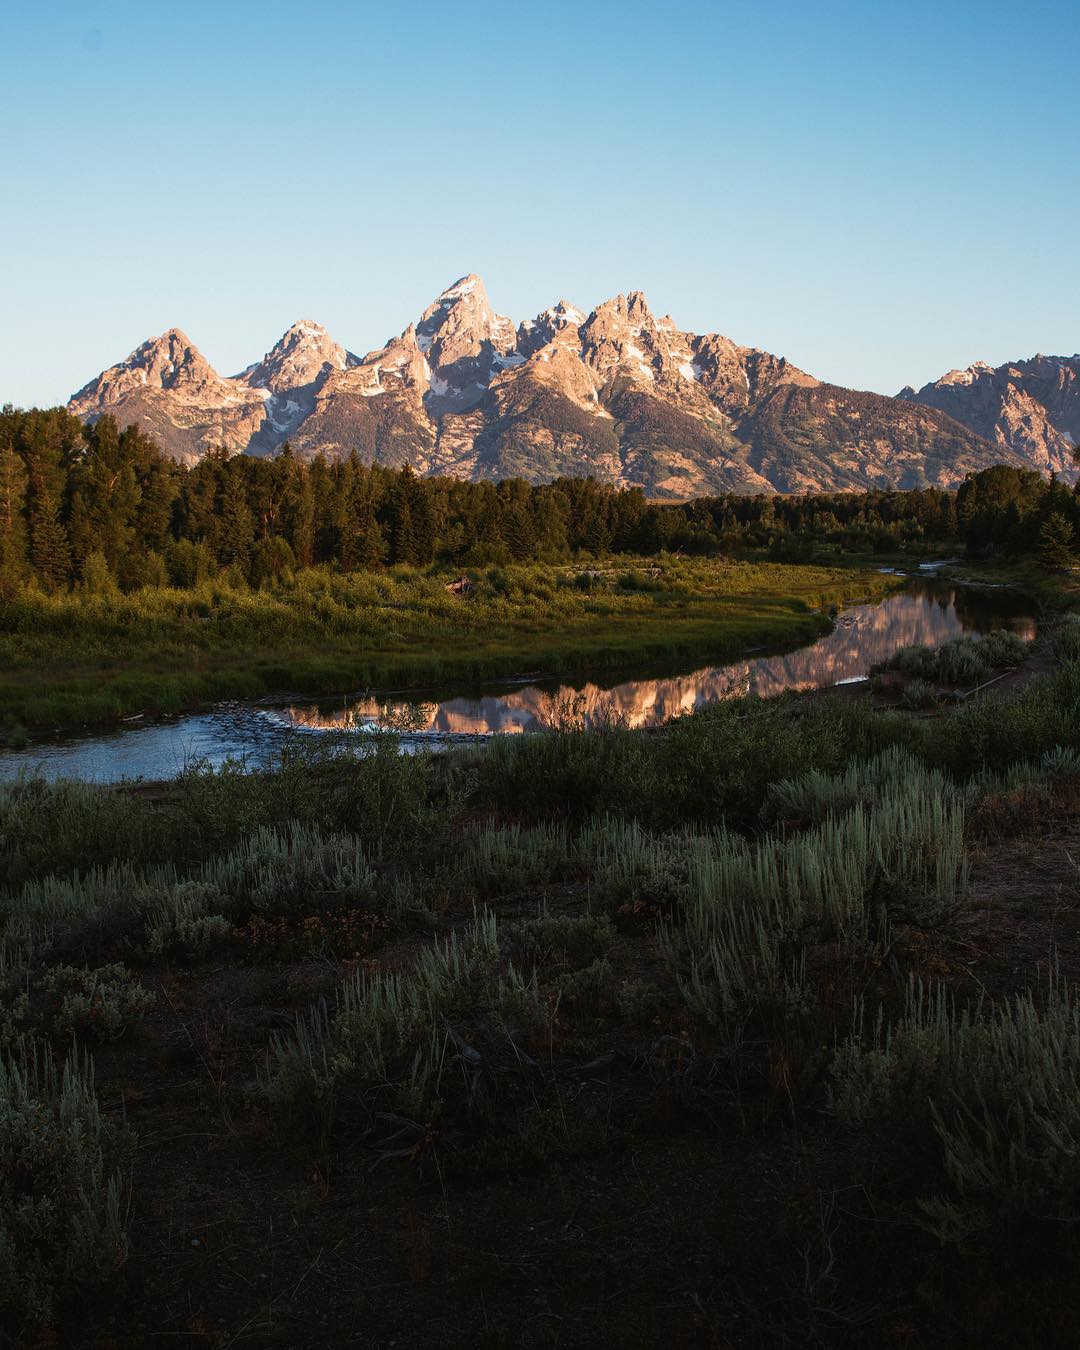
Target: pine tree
(347,524)
(598,536)
(518,532)
(12,507)
(50,442)
(236,536)
(403,543)
(422,505)
(324,510)
(50,552)
(299,513)
(372,545)
(1056,542)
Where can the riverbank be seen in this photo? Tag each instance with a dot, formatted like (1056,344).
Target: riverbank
(74,660)
(1055,592)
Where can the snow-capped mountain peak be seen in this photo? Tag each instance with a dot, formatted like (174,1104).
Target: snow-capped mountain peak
(301,356)
(614,392)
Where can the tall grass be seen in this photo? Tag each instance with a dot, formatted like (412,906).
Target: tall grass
(888,844)
(387,1040)
(61,1194)
(999,1088)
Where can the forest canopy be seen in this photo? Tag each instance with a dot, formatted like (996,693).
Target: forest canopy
(100,505)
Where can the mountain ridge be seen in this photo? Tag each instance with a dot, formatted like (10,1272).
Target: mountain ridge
(616,393)
(1031,406)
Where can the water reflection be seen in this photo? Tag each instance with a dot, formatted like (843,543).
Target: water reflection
(925,613)
(863,635)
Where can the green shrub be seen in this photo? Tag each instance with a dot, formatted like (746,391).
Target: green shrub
(888,843)
(918,694)
(551,942)
(493,859)
(634,872)
(1067,639)
(1001,1092)
(70,826)
(187,919)
(387,1039)
(298,868)
(102,1002)
(964,660)
(61,1212)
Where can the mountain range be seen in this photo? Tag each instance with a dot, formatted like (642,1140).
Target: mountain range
(616,393)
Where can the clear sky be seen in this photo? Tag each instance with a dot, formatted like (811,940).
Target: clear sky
(878,191)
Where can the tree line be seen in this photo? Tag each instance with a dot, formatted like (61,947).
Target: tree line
(99,505)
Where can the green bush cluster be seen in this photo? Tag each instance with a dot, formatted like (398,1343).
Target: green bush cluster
(999,1087)
(964,660)
(62,1210)
(101,1003)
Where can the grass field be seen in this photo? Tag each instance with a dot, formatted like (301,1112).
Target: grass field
(75,659)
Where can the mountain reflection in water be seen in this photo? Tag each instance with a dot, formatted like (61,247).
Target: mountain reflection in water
(256,735)
(863,636)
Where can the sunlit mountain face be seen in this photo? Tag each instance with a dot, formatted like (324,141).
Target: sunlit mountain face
(861,637)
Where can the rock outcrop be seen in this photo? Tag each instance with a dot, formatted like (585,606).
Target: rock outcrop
(617,393)
(1030,407)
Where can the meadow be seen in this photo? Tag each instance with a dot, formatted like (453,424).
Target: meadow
(71,658)
(757,1029)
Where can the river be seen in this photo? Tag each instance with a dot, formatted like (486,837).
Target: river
(926,612)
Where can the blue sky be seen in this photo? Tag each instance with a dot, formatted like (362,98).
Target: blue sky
(877,191)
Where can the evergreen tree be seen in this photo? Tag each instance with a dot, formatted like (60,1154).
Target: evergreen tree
(104,495)
(1056,542)
(598,537)
(298,515)
(424,524)
(403,541)
(236,536)
(13,481)
(413,527)
(324,510)
(347,527)
(200,492)
(372,552)
(50,552)
(518,532)
(50,441)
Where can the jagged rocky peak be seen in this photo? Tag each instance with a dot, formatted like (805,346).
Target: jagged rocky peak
(630,311)
(969,374)
(562,314)
(170,362)
(168,359)
(561,318)
(459,321)
(465,344)
(400,365)
(303,354)
(623,337)
(1030,406)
